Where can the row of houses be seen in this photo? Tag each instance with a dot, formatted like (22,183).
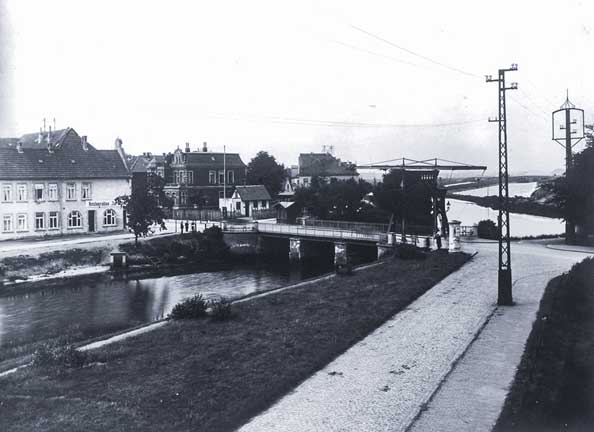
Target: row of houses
(56,182)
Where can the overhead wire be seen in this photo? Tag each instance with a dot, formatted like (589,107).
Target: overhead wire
(416,54)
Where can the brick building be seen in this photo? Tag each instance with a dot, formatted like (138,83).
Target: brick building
(197,178)
(56,182)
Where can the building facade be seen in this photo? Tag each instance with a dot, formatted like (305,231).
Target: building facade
(247,200)
(55,182)
(324,166)
(197,179)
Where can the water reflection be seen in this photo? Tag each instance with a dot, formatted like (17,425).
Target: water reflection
(104,305)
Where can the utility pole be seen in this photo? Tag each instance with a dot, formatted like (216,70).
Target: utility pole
(570,131)
(504,279)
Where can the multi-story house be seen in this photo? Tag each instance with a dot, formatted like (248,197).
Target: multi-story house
(324,166)
(56,182)
(198,178)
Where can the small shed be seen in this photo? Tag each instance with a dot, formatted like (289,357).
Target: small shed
(287,211)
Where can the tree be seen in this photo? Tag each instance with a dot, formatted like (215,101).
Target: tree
(145,205)
(574,194)
(264,169)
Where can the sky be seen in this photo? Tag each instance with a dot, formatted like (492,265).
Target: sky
(377,80)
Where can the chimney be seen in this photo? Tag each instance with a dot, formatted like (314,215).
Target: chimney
(40,136)
(85,144)
(48,138)
(187,147)
(120,148)
(204,148)
(20,147)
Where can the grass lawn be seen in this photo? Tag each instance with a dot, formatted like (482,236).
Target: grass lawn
(213,376)
(554,386)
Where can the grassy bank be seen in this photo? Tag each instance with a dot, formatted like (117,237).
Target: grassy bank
(48,263)
(554,385)
(213,376)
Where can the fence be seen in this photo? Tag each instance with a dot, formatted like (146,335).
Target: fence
(319,232)
(367,227)
(197,214)
(268,213)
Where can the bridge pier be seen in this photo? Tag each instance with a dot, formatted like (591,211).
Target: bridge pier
(384,250)
(454,240)
(296,249)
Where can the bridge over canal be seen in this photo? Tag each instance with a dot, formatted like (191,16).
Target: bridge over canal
(342,234)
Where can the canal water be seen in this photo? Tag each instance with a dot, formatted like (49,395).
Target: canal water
(103,305)
(520,224)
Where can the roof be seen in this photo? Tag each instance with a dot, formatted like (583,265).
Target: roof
(324,164)
(208,159)
(68,160)
(253,193)
(30,141)
(140,164)
(284,204)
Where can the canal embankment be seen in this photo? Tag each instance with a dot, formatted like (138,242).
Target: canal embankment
(211,375)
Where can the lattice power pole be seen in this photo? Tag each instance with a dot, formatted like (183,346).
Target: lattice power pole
(504,285)
(570,131)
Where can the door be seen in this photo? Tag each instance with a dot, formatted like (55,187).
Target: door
(247,208)
(91,220)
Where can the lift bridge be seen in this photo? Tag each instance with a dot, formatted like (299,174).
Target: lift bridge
(427,172)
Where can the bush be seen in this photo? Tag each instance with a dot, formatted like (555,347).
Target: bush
(487,229)
(221,309)
(51,356)
(408,251)
(191,308)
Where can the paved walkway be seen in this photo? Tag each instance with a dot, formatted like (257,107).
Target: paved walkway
(421,370)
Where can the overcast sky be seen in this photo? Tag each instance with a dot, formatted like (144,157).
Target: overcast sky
(289,77)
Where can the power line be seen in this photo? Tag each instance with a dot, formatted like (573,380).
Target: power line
(429,59)
(356,48)
(330,123)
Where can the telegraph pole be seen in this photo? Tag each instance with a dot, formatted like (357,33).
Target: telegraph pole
(571,131)
(504,280)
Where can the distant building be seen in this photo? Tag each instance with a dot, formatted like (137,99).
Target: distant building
(198,178)
(247,199)
(325,166)
(56,182)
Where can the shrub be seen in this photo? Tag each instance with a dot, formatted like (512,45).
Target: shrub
(487,229)
(191,308)
(409,251)
(221,309)
(67,356)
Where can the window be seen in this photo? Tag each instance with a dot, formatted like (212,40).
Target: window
(161,172)
(221,177)
(190,177)
(212,177)
(238,205)
(230,177)
(7,193)
(22,192)
(22,222)
(182,177)
(7,223)
(71,191)
(85,191)
(183,197)
(53,220)
(255,204)
(38,192)
(176,176)
(109,217)
(52,192)
(39,221)
(74,220)
(263,204)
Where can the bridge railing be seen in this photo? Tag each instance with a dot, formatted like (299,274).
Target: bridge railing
(320,232)
(345,225)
